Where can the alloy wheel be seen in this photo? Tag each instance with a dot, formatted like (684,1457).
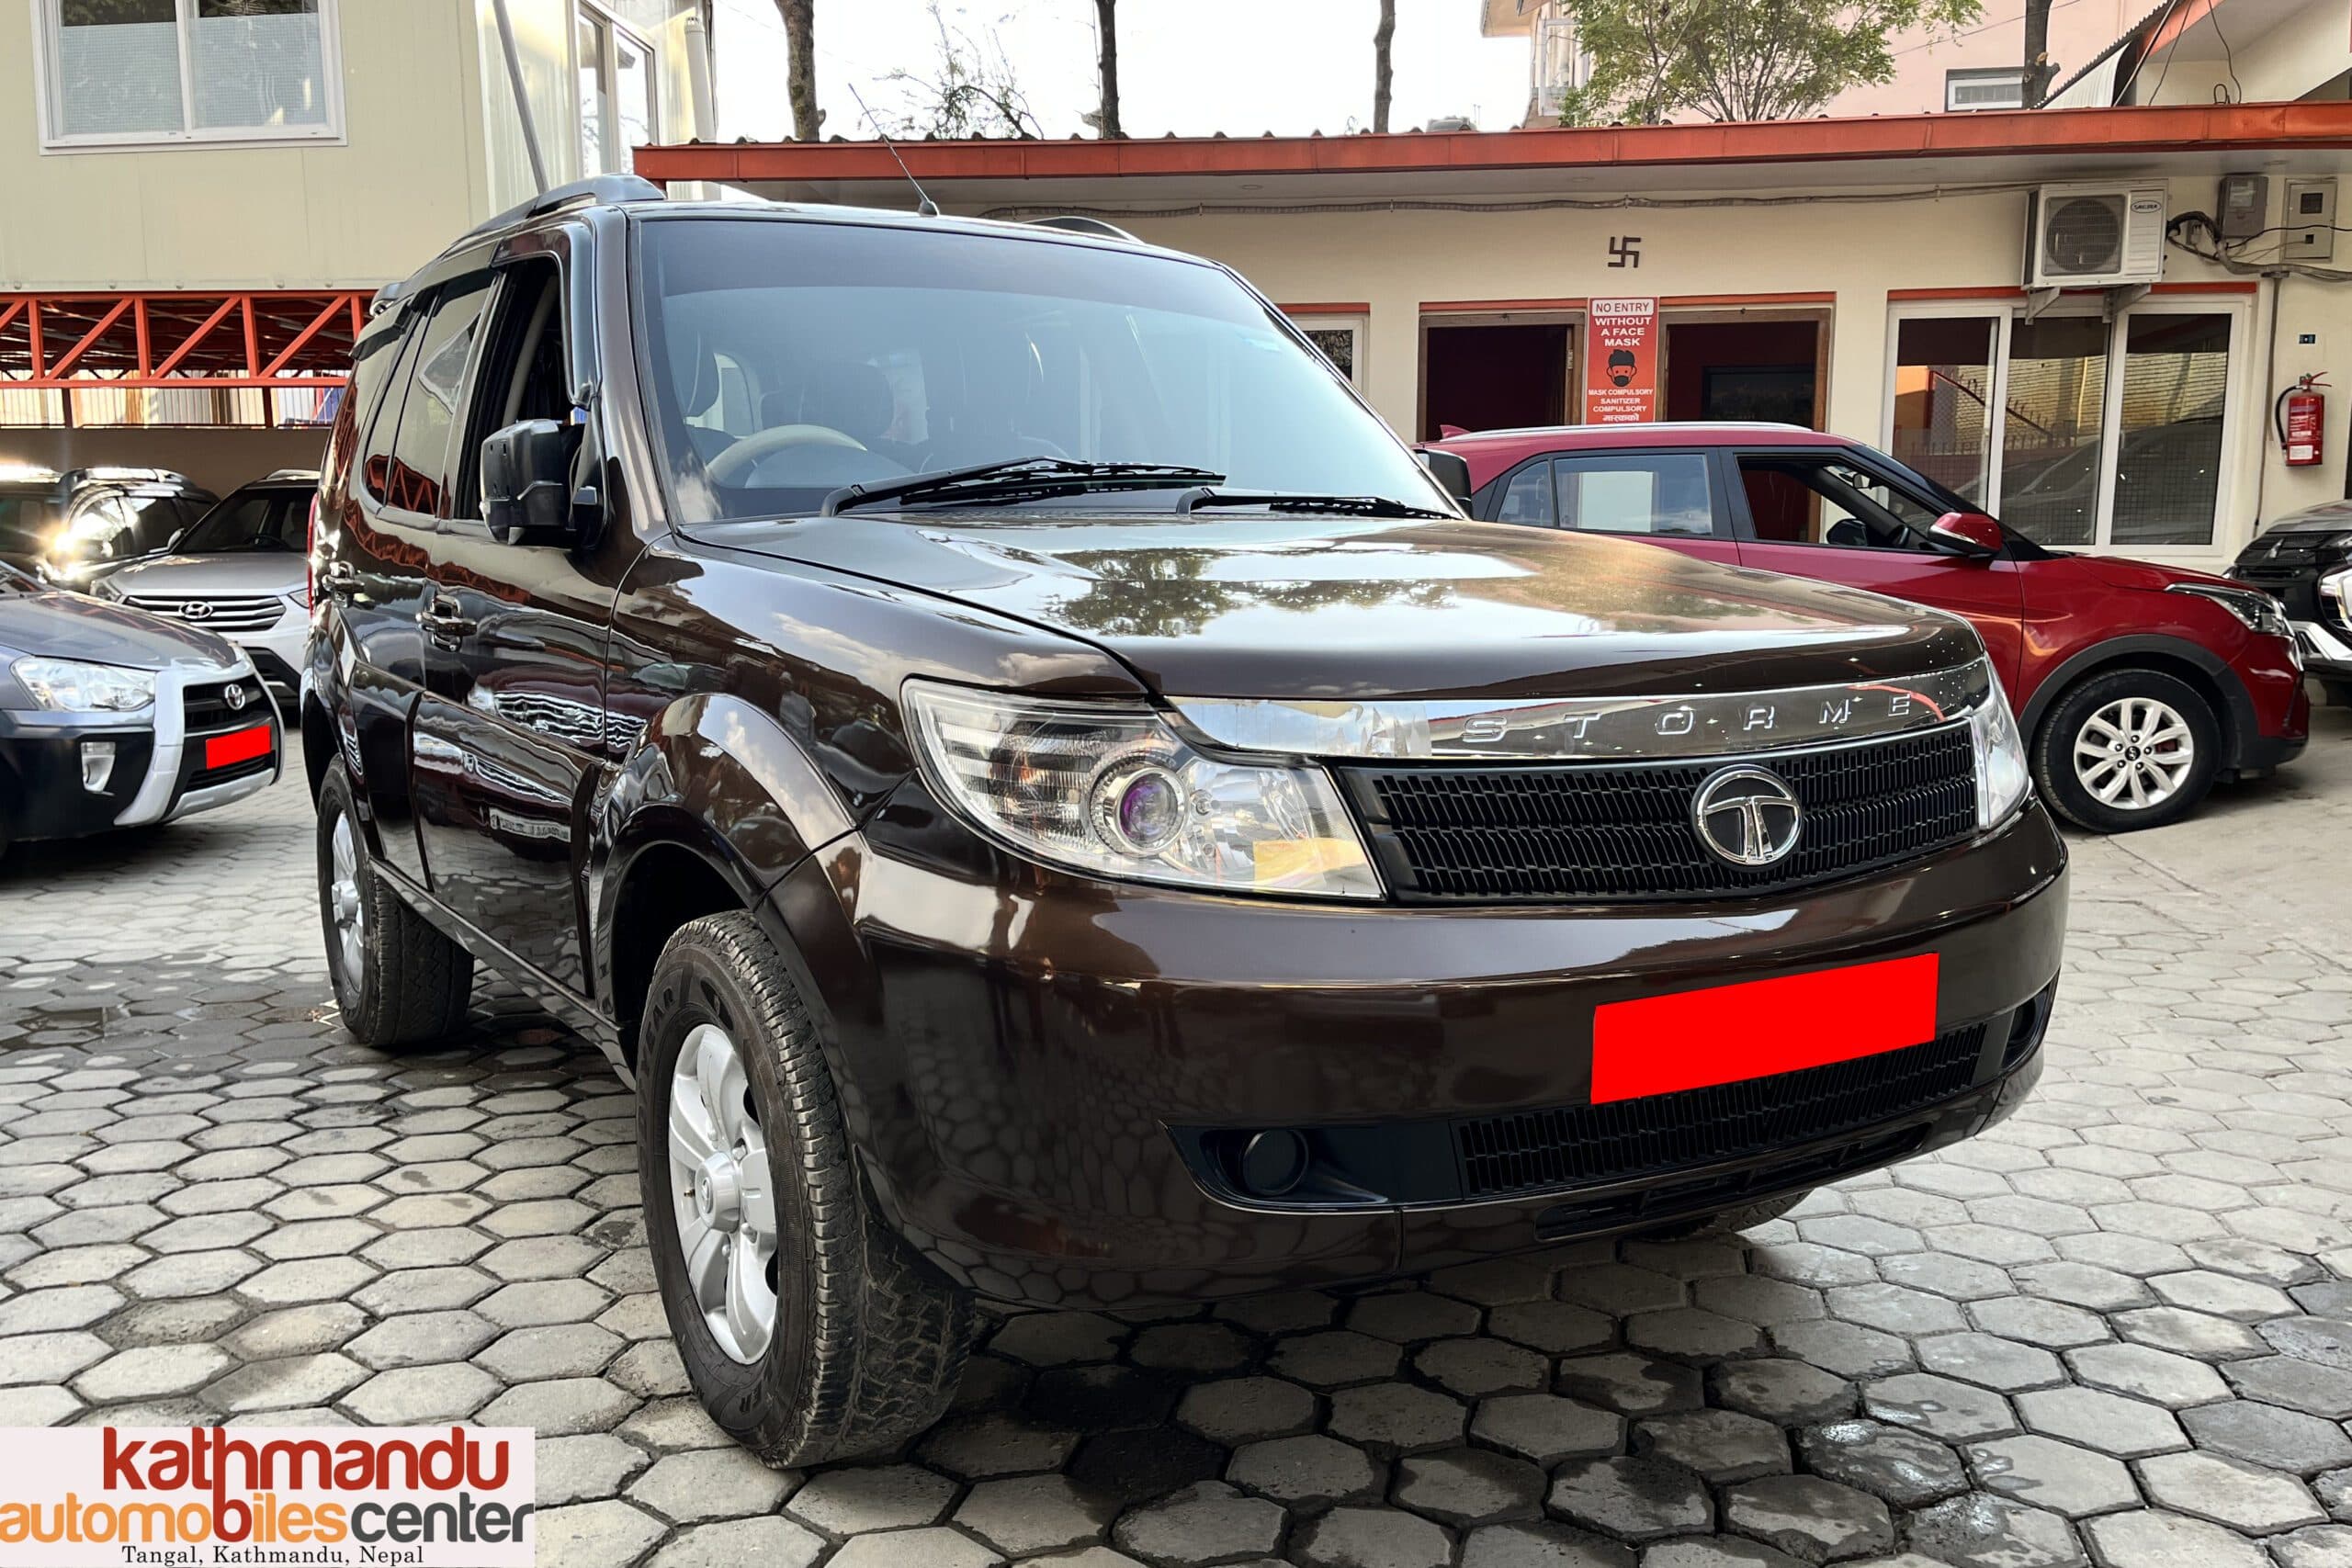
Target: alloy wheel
(345,904)
(2134,753)
(722,1193)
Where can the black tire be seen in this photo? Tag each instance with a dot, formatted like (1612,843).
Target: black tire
(410,983)
(2054,749)
(868,1339)
(1744,1218)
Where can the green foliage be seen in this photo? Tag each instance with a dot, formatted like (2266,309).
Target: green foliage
(1737,60)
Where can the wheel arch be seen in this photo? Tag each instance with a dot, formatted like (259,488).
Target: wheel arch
(713,806)
(2200,668)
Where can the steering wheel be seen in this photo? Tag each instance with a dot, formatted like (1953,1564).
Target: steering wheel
(734,466)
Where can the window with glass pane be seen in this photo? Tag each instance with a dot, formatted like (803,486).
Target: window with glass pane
(1528,498)
(1659,493)
(2051,447)
(2168,444)
(595,106)
(632,97)
(118,68)
(1943,398)
(184,68)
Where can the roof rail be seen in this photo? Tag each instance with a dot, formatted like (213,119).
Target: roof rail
(1078,223)
(599,188)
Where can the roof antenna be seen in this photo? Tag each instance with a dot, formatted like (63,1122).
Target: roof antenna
(924,206)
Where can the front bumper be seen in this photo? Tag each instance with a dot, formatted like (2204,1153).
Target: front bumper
(1026,1059)
(161,769)
(2327,648)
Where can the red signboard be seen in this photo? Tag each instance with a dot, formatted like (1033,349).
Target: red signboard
(1621,361)
(1725,1033)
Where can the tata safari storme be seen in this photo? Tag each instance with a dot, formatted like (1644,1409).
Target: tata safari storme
(1048,801)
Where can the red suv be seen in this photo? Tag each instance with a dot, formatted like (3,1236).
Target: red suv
(2137,685)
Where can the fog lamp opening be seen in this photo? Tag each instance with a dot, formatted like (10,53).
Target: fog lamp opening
(97,765)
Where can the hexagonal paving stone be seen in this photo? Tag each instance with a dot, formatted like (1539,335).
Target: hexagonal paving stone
(409,1396)
(2161,1377)
(1395,1417)
(151,1372)
(1466,1488)
(714,1483)
(1031,1514)
(1722,1445)
(1631,1498)
(2228,1492)
(1939,1407)
(1411,1316)
(1907,1469)
(2128,1429)
(876,1497)
(1334,1356)
(2045,1473)
(1372,1537)
(417,1338)
(2295,1384)
(1547,1427)
(1812,1519)
(1631,1385)
(1476,1368)
(1310,1471)
(2148,1538)
(593,1535)
(2260,1434)
(1206,1522)
(1789,1393)
(771,1543)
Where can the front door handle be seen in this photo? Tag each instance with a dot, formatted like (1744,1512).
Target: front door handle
(444,625)
(340,579)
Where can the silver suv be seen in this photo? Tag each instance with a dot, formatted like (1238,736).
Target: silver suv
(239,572)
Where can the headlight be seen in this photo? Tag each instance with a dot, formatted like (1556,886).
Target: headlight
(2001,776)
(106,588)
(1110,790)
(2259,611)
(2337,585)
(68,685)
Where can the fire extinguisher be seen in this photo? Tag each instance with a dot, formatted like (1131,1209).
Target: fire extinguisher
(2298,414)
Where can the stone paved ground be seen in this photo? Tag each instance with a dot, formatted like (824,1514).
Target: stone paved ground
(2119,1328)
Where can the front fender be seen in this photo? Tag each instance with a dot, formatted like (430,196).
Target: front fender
(716,775)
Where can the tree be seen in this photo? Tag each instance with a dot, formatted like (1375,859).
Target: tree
(800,78)
(1106,24)
(1382,36)
(1737,60)
(2039,71)
(972,92)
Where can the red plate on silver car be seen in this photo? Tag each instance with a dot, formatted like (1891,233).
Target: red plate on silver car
(1758,1027)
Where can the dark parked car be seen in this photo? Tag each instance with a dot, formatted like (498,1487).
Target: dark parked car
(2138,686)
(1047,799)
(110,718)
(2305,561)
(69,528)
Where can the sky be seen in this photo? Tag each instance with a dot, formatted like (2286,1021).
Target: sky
(1194,67)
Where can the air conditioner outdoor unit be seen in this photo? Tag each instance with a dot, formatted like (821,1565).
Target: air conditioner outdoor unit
(2094,237)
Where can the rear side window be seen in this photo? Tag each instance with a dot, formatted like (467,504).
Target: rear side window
(408,470)
(1528,498)
(1636,492)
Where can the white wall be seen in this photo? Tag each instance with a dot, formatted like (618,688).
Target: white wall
(1858,250)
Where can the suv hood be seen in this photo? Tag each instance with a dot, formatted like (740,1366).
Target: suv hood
(213,576)
(1346,608)
(2121,571)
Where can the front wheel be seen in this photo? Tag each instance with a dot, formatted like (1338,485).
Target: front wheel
(808,1328)
(2127,750)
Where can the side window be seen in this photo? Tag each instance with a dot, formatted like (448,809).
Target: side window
(1637,492)
(526,371)
(1818,502)
(420,447)
(1528,498)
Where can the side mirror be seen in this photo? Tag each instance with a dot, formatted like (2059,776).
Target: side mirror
(1451,471)
(1970,534)
(526,481)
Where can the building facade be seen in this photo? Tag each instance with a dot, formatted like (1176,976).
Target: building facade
(1863,276)
(203,195)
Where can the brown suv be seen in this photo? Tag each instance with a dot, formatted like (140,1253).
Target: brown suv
(1048,801)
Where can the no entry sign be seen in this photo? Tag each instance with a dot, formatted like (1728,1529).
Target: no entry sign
(1621,362)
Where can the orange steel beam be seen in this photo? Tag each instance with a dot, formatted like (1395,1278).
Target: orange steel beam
(172,360)
(66,361)
(286,337)
(302,338)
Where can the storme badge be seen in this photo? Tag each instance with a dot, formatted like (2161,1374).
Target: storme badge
(417,1497)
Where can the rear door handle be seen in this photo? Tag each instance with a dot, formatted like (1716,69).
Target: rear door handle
(340,578)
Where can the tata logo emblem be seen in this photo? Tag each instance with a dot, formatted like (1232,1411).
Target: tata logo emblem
(1746,815)
(235,696)
(196,610)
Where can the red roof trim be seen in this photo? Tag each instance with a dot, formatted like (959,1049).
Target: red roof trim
(2132,129)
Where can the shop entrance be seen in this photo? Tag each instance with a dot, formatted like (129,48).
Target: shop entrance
(1496,374)
(1743,369)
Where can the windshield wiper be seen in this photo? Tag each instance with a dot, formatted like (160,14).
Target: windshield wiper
(1019,478)
(1289,500)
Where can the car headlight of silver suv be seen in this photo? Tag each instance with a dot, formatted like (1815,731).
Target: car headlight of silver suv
(70,685)
(1110,790)
(2002,780)
(2258,610)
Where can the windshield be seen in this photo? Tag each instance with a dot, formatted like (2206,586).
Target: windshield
(789,359)
(258,520)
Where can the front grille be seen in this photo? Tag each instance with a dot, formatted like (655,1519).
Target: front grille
(205,778)
(207,708)
(1583,1145)
(244,613)
(1623,831)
